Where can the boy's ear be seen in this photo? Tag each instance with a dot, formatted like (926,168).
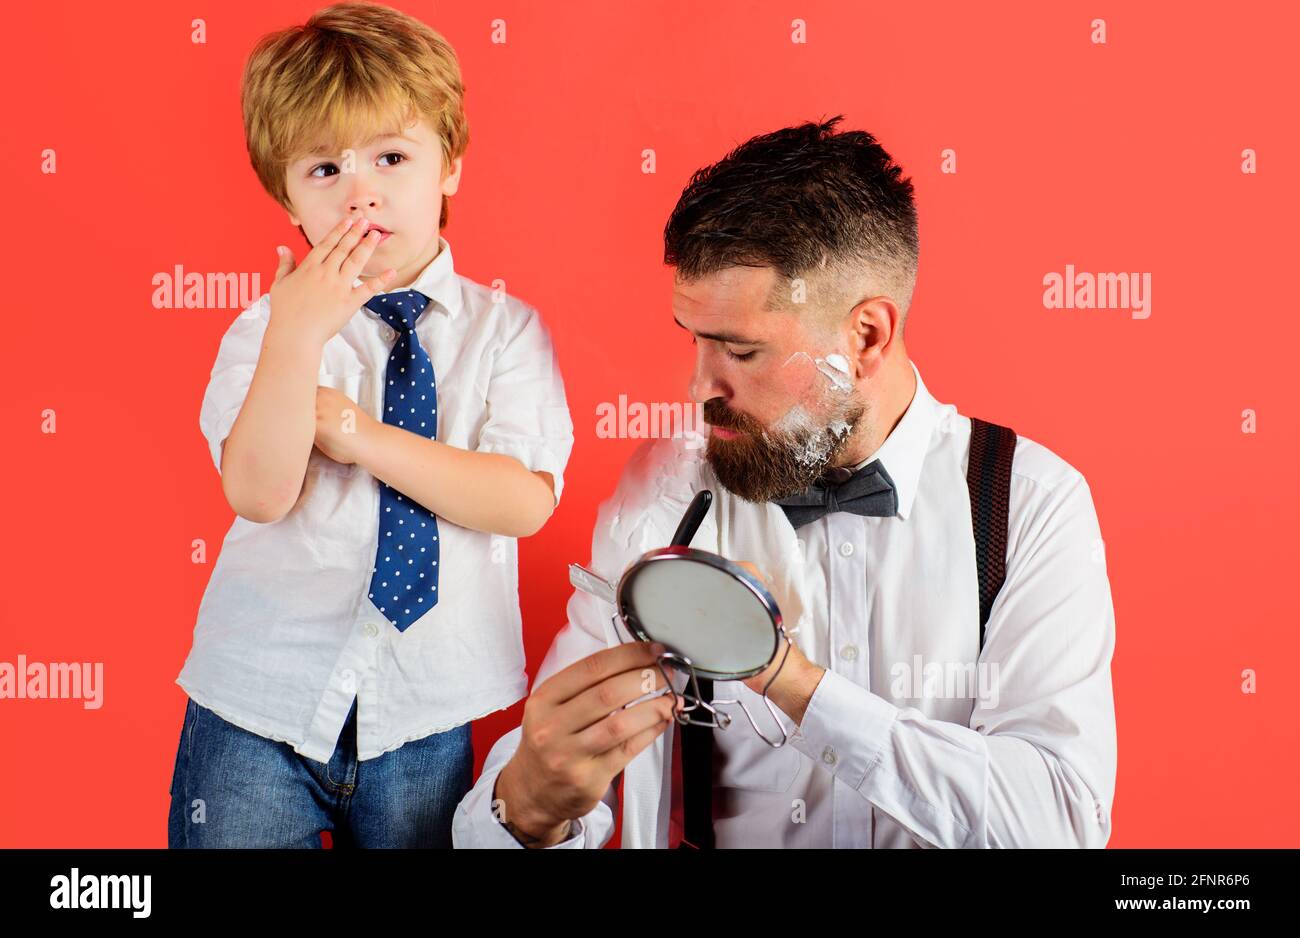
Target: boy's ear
(451,181)
(297,223)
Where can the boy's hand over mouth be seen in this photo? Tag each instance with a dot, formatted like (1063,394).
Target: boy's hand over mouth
(315,299)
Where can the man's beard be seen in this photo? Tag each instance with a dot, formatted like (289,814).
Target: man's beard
(763,464)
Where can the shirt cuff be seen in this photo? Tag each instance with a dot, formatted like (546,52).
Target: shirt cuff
(845,728)
(490,833)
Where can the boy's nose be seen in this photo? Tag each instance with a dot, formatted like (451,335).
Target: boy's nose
(362,196)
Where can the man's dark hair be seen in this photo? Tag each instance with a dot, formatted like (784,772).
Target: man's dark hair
(803,200)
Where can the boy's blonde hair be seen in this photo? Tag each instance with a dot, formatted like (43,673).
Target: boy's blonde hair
(353,71)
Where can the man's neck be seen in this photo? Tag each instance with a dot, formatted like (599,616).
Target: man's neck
(885,414)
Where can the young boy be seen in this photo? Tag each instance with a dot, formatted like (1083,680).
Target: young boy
(384,429)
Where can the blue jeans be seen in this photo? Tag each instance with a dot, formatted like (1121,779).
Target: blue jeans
(233,788)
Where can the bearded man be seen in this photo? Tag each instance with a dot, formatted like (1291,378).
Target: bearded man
(866,506)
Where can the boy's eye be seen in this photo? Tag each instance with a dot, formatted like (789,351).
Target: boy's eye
(332,166)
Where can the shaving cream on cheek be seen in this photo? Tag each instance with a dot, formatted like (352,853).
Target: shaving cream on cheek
(797,423)
(835,368)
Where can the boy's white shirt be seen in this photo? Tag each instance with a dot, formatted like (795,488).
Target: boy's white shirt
(286,634)
(867,767)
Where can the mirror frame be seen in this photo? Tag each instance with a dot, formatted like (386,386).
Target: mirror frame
(678,554)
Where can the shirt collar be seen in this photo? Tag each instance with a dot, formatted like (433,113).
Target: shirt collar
(904,449)
(438,281)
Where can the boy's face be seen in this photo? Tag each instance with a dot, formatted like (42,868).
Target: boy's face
(396,182)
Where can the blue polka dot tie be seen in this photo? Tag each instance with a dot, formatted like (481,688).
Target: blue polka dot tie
(404,584)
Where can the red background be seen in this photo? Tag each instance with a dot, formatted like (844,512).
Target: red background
(1117,157)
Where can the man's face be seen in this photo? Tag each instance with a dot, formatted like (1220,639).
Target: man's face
(395,181)
(778,387)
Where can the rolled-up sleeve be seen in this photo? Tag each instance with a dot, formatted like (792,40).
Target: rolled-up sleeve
(1036,767)
(232,374)
(527,414)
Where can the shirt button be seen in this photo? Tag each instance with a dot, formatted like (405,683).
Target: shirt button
(846,549)
(828,756)
(849,652)
(371,629)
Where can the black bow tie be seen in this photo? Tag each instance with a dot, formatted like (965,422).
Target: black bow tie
(869,491)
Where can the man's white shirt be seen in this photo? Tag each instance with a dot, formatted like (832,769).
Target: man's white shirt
(287,636)
(913,737)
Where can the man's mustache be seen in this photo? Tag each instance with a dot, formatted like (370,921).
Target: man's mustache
(718,414)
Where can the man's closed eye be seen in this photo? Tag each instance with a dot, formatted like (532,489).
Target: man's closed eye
(746,356)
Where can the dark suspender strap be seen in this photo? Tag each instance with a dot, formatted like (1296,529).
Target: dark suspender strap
(697,780)
(988,475)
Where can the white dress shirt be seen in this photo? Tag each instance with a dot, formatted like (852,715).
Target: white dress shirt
(286,635)
(1024,758)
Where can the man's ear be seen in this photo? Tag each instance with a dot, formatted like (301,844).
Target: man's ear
(873,326)
(451,180)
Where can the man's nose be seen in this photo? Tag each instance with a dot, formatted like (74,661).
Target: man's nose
(704,384)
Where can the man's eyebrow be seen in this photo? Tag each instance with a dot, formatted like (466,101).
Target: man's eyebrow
(722,336)
(324,151)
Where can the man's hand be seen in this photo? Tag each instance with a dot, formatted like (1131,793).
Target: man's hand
(799,677)
(342,427)
(576,737)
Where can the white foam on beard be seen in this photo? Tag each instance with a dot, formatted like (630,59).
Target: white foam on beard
(799,424)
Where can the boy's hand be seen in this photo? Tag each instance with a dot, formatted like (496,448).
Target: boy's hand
(341,425)
(316,299)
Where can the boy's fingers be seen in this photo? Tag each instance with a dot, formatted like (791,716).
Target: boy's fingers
(286,263)
(335,258)
(326,244)
(354,262)
(372,285)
